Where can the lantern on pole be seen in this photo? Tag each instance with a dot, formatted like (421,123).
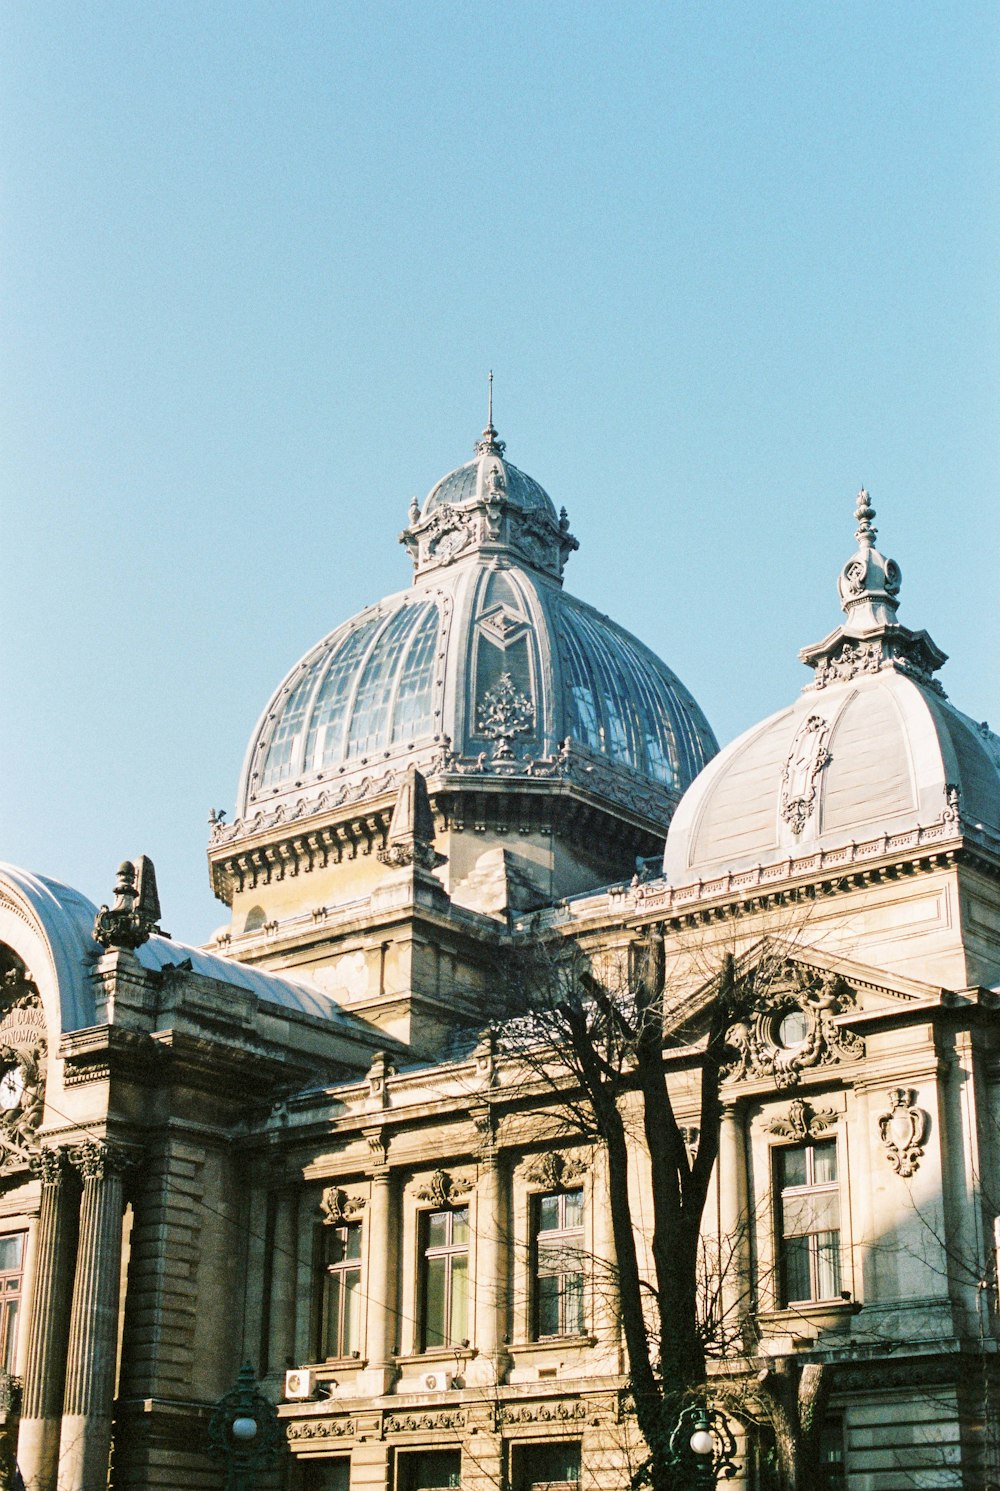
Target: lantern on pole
(243,1431)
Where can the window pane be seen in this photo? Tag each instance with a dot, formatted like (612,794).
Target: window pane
(827,1265)
(825,1162)
(810,1211)
(548,1305)
(460,1225)
(574,1209)
(352,1311)
(548,1213)
(459,1298)
(792,1166)
(434,1302)
(795,1271)
(437,1229)
(331,1323)
(573,1304)
(353,1248)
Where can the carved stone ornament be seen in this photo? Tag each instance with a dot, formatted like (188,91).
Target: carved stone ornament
(806,758)
(48,1166)
(96,1159)
(802,1121)
(136,913)
(443,1189)
(377,1078)
(503,713)
(790,1027)
(22,1064)
(903,1129)
(337,1208)
(565,1411)
(848,661)
(554,1171)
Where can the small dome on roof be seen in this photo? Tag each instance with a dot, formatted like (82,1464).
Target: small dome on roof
(871,747)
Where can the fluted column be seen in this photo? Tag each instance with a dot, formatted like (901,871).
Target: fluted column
(85,1439)
(606,1322)
(48,1327)
(490,1293)
(734,1222)
(380,1319)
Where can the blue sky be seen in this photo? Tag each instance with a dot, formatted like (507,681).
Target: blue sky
(727,262)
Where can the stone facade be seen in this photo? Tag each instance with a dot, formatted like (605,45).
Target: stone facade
(296,1148)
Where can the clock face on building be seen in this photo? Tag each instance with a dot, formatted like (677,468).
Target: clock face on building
(11,1088)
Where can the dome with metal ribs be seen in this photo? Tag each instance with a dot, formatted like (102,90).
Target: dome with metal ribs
(483,665)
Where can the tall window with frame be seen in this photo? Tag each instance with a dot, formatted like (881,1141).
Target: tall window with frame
(558,1264)
(445,1278)
(808,1222)
(11,1265)
(338,1326)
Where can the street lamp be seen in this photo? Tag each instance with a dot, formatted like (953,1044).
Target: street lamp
(243,1430)
(702,1445)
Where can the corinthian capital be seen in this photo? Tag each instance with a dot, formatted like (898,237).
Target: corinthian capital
(97,1159)
(48,1166)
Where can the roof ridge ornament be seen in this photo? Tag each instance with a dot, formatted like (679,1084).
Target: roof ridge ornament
(489,443)
(135,915)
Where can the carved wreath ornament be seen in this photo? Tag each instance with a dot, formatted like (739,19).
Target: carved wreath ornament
(790,1028)
(903,1129)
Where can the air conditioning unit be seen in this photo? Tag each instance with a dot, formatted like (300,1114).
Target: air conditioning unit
(437,1382)
(299,1383)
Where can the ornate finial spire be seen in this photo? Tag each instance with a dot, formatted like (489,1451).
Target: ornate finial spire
(871,640)
(136,912)
(864,512)
(488,444)
(869,583)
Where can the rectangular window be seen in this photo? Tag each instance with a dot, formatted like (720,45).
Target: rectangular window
(546,1467)
(340,1291)
(11,1260)
(809,1222)
(558,1265)
(429,1470)
(445,1282)
(327,1475)
(831,1454)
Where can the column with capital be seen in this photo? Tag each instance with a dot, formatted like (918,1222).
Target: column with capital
(734,1222)
(85,1437)
(48,1325)
(382,1287)
(489,1282)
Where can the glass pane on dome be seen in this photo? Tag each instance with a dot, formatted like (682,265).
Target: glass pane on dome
(325,742)
(413,715)
(623,704)
(283,750)
(369,727)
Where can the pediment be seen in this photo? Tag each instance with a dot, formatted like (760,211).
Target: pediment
(795,1010)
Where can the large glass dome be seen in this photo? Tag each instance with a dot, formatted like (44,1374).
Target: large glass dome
(484,664)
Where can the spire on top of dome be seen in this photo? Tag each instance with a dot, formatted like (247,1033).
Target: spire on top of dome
(869,583)
(489,443)
(871,639)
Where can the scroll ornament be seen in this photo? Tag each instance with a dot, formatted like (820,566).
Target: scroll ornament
(555,1171)
(444,1189)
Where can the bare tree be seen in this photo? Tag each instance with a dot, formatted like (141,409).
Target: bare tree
(596,1040)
